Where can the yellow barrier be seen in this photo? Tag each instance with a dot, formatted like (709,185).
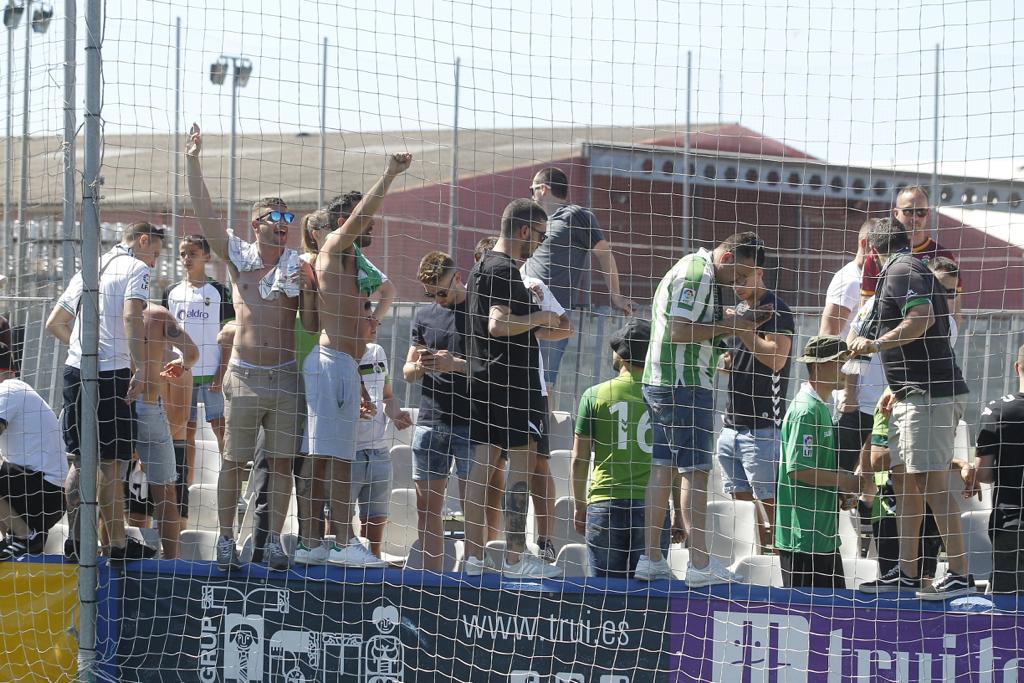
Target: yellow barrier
(37,622)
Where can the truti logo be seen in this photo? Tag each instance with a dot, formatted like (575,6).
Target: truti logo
(760,648)
(257,649)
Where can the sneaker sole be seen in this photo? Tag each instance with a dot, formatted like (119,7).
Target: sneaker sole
(945,595)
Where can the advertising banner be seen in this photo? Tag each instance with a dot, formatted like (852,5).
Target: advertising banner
(38,608)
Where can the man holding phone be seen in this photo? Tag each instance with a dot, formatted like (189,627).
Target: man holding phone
(758,365)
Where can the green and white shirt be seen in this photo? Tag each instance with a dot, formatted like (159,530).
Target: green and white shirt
(614,417)
(807,517)
(687,291)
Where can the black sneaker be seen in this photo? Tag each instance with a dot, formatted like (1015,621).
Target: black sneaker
(893,581)
(132,550)
(949,586)
(71,550)
(17,548)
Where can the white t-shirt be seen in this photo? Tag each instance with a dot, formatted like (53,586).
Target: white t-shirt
(373,369)
(547,302)
(122,277)
(844,290)
(32,438)
(201,311)
(871,383)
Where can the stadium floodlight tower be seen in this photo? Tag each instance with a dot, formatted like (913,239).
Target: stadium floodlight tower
(241,69)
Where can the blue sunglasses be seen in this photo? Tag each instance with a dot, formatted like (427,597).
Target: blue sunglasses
(278,216)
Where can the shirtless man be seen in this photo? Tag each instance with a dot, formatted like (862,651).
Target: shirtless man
(345,280)
(154,444)
(262,385)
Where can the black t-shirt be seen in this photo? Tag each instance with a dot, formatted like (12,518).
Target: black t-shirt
(927,363)
(444,397)
(1002,436)
(757,394)
(495,281)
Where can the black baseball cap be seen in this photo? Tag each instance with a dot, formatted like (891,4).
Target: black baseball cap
(630,342)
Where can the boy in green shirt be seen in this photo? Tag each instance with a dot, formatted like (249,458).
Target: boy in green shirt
(810,481)
(614,427)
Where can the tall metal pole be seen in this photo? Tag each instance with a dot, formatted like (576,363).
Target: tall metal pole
(8,240)
(935,146)
(20,254)
(68,232)
(90,342)
(231,153)
(176,147)
(453,192)
(687,236)
(323,131)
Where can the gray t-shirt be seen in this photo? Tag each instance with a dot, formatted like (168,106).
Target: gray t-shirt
(559,260)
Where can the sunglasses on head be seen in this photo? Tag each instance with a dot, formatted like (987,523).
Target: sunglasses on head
(920,213)
(278,217)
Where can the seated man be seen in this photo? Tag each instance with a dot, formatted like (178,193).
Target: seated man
(34,465)
(810,481)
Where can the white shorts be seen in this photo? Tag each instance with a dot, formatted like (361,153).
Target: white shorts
(333,392)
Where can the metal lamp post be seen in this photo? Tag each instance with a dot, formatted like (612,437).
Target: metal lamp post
(241,69)
(12,17)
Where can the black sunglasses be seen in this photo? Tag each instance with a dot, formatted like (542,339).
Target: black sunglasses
(920,213)
(278,216)
(439,294)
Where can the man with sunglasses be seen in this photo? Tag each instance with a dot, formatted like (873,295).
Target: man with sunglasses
(913,211)
(560,260)
(262,384)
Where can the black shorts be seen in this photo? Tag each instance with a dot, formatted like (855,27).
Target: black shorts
(117,427)
(501,414)
(812,570)
(37,501)
(540,421)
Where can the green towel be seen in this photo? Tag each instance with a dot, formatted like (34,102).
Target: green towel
(368,278)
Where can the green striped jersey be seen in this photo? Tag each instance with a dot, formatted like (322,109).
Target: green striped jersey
(687,291)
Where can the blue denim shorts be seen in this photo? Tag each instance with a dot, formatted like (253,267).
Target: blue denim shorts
(213,402)
(683,423)
(154,445)
(371,482)
(434,447)
(616,537)
(552,352)
(750,460)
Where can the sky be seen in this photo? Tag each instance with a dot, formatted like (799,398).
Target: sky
(850,85)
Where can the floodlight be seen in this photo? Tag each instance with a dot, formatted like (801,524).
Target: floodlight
(41,17)
(12,15)
(243,69)
(218,71)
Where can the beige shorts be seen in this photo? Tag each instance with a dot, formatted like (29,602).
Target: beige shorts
(272,399)
(921,431)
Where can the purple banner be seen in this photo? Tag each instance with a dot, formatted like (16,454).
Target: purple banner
(723,641)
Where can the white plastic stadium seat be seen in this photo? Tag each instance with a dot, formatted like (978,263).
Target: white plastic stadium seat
(731,533)
(574,560)
(206,465)
(560,431)
(858,570)
(678,559)
(563,530)
(202,508)
(401,467)
(55,538)
(848,534)
(760,570)
(400,531)
(561,470)
(198,545)
(977,542)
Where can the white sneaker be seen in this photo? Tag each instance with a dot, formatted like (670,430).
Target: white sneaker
(472,566)
(530,566)
(653,570)
(319,554)
(354,554)
(714,573)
